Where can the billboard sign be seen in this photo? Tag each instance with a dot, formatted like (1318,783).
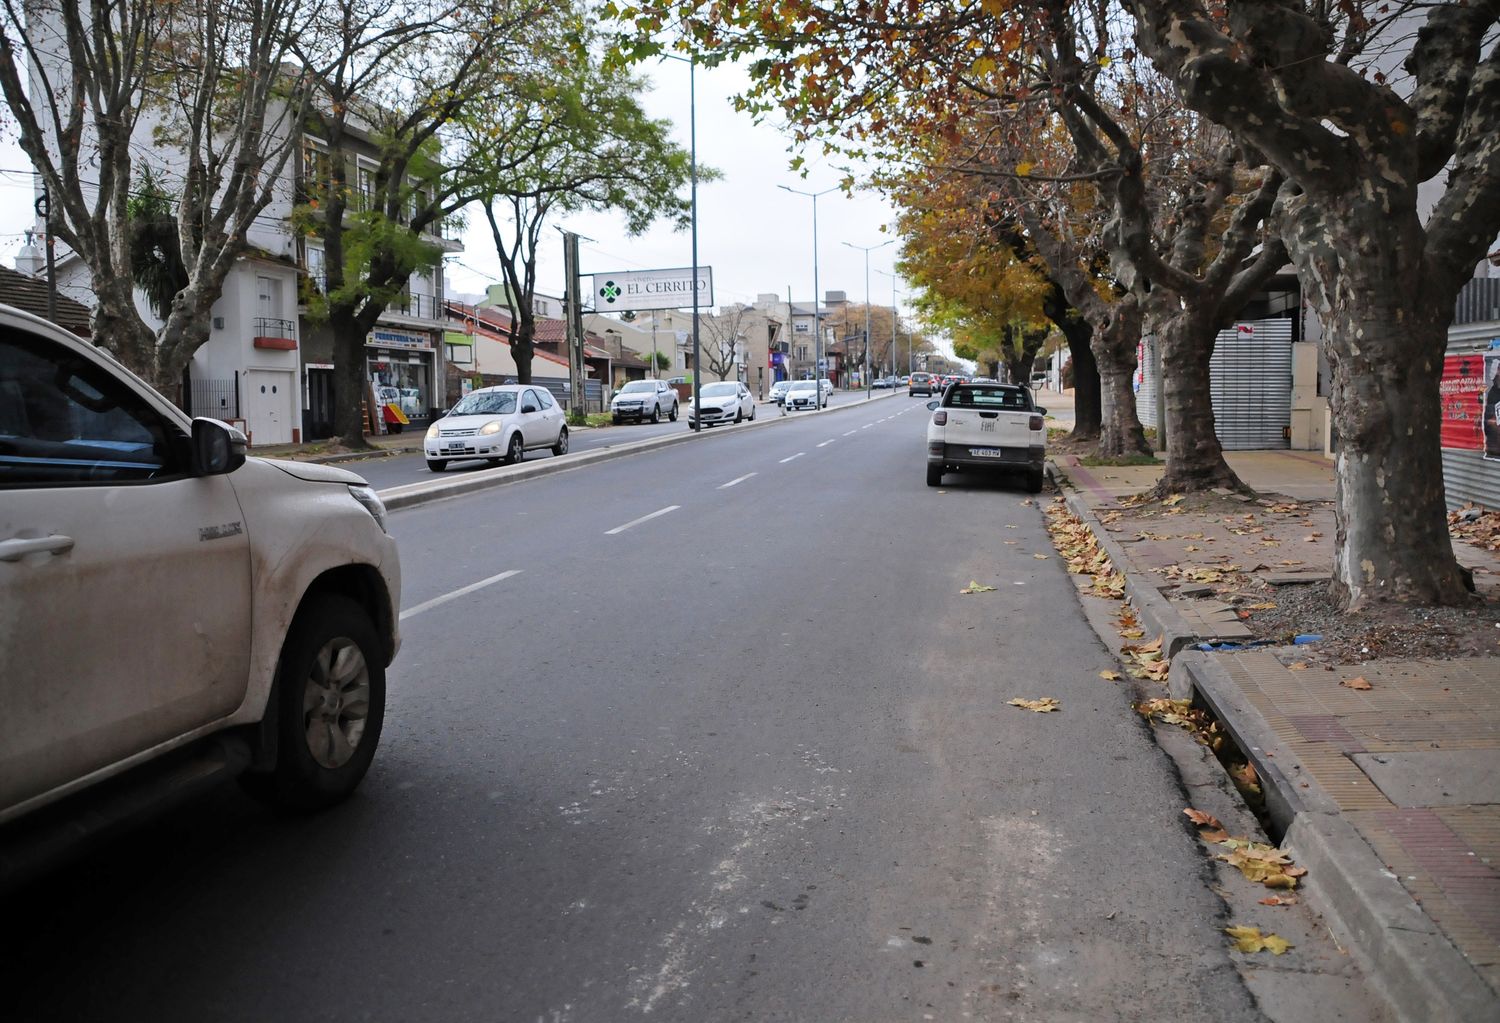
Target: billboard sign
(635,290)
(1469,395)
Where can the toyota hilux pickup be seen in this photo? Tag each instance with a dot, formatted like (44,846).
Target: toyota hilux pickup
(978,427)
(172,613)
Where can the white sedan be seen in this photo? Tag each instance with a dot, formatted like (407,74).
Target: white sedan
(725,402)
(497,424)
(802,394)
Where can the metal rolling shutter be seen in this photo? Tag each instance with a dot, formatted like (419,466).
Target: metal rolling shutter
(1251,385)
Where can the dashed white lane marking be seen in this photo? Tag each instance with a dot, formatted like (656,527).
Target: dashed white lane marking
(797,455)
(726,486)
(462,591)
(826,443)
(867,426)
(644,518)
(849,434)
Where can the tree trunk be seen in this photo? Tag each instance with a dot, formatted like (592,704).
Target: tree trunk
(1120,430)
(521,348)
(350,384)
(1078,331)
(1195,459)
(1385,353)
(1088,402)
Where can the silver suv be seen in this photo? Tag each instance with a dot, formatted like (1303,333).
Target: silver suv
(644,400)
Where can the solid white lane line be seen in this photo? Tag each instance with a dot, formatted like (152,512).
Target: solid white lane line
(797,455)
(826,443)
(726,486)
(462,591)
(643,518)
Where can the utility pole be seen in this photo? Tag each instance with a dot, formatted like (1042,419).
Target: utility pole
(575,325)
(44,210)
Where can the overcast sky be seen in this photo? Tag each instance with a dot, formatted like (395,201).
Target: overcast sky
(756,237)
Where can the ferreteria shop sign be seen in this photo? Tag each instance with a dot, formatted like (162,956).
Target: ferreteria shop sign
(652,289)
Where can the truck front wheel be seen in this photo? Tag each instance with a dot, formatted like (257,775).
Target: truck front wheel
(330,704)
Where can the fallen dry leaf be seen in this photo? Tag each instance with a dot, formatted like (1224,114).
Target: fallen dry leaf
(1041,706)
(976,587)
(1265,605)
(1279,900)
(1358,682)
(1249,939)
(1201,818)
(1297,666)
(1041,557)
(1110,676)
(1172,499)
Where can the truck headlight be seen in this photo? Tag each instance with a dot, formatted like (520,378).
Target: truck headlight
(372,502)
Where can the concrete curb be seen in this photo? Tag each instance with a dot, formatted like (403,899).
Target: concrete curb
(1413,966)
(1418,971)
(1154,610)
(410,495)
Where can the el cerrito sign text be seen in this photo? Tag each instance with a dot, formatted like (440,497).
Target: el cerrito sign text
(652,289)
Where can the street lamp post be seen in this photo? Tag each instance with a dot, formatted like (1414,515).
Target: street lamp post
(817,320)
(867,249)
(692,63)
(893,327)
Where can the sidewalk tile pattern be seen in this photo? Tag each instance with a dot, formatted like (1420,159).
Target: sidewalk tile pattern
(1448,858)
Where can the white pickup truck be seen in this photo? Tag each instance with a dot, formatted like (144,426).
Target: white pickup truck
(981,427)
(171,612)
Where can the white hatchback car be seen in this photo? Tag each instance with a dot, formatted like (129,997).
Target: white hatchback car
(160,593)
(497,424)
(725,402)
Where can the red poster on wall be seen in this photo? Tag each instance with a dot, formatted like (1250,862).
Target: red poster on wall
(1468,392)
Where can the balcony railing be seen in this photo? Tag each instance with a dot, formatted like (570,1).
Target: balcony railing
(421,306)
(269,326)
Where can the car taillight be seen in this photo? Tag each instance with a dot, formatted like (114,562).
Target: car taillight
(1036,422)
(940,418)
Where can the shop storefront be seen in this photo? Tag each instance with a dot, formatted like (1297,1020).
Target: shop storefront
(402,370)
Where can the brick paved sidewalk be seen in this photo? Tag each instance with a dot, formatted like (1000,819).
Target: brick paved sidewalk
(1411,764)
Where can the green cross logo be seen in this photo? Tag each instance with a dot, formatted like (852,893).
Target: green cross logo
(610,291)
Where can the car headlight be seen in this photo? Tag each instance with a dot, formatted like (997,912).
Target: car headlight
(372,502)
(490,429)
(432,432)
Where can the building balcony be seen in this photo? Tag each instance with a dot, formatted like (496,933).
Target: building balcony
(275,334)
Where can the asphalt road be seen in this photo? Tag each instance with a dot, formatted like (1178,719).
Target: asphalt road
(396,470)
(729,744)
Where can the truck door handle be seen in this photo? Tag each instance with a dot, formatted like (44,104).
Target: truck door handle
(988,415)
(15,550)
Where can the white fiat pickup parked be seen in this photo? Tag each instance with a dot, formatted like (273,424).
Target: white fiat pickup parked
(980,427)
(171,612)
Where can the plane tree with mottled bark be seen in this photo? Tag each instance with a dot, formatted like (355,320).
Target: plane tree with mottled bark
(1322,92)
(95,88)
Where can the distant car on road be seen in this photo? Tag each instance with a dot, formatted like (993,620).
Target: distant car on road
(173,611)
(883,383)
(827,387)
(778,390)
(498,424)
(800,396)
(986,428)
(920,383)
(723,402)
(644,400)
